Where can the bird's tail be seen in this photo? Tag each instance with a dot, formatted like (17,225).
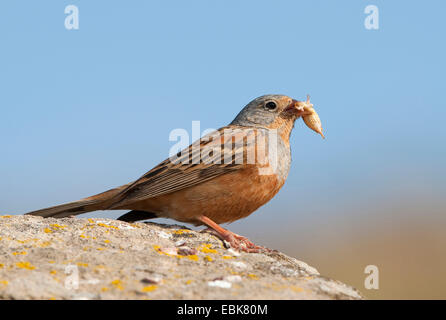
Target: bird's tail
(100,201)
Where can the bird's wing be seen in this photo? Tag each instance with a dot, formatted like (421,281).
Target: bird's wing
(225,150)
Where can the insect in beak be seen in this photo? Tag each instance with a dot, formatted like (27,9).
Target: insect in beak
(298,108)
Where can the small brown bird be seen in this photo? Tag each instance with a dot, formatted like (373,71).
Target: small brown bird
(223,177)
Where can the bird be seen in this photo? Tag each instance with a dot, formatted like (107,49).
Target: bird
(220,178)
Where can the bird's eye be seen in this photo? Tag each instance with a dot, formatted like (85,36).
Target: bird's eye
(270,105)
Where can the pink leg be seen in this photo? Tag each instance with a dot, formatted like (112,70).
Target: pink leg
(236,241)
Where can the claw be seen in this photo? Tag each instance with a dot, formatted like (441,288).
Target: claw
(238,242)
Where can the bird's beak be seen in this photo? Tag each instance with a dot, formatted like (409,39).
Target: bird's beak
(297,108)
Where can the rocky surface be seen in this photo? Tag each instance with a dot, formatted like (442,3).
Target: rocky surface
(75,258)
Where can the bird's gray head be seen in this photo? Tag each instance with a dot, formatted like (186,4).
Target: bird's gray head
(264,111)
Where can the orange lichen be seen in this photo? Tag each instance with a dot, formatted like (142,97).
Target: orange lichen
(149,288)
(53,272)
(158,249)
(281,287)
(100,267)
(181,231)
(206,248)
(297,289)
(45,244)
(25,265)
(57,226)
(47,230)
(117,284)
(106,226)
(21,253)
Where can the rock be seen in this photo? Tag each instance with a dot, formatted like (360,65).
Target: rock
(73,258)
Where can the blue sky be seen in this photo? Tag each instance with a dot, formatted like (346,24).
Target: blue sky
(86,110)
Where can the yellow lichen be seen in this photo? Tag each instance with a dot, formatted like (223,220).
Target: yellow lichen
(208,258)
(7,216)
(47,230)
(188,281)
(104,289)
(228,257)
(149,288)
(281,287)
(181,231)
(4,282)
(158,249)
(100,267)
(206,248)
(117,284)
(20,253)
(106,225)
(57,226)
(253,276)
(193,257)
(107,241)
(81,264)
(53,272)
(45,244)
(296,288)
(25,265)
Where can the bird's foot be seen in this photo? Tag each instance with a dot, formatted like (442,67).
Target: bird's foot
(238,242)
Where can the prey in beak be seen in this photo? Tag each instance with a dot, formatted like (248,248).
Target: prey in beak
(297,108)
(306,110)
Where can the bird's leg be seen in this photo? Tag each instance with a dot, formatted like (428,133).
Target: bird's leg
(236,241)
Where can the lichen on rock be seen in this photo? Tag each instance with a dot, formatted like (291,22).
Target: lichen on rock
(73,258)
